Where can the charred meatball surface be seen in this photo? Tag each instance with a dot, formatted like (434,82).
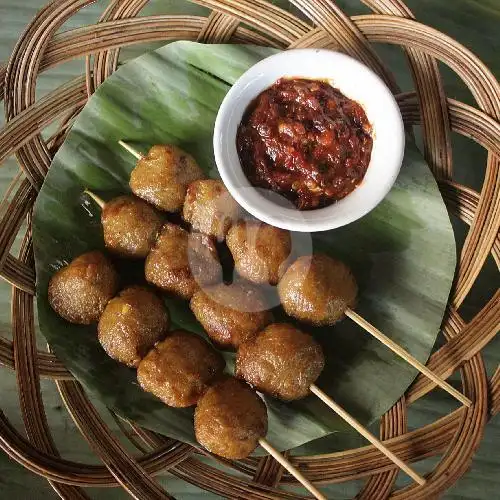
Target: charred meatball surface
(131,324)
(230,314)
(180,369)
(209,208)
(260,251)
(317,289)
(281,361)
(230,419)
(163,175)
(80,291)
(130,226)
(181,262)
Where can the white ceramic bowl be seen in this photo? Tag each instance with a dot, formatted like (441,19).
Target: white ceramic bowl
(355,81)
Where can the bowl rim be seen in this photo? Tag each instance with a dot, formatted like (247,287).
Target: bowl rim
(249,196)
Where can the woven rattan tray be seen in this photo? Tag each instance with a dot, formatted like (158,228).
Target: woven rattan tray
(454,437)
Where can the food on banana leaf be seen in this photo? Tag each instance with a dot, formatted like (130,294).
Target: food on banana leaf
(317,289)
(80,291)
(130,226)
(181,262)
(260,251)
(231,314)
(180,369)
(230,419)
(131,324)
(209,208)
(163,175)
(281,361)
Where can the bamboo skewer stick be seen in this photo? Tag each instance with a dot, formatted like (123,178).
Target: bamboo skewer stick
(99,201)
(366,433)
(291,469)
(131,150)
(397,349)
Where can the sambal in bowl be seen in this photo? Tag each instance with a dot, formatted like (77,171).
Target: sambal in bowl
(309,140)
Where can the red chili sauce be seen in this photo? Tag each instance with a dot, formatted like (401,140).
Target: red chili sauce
(305,140)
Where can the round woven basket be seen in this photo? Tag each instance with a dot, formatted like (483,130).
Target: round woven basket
(454,437)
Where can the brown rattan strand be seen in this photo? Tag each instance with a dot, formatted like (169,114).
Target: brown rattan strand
(105,62)
(456,435)
(495,393)
(470,340)
(14,217)
(435,123)
(40,115)
(345,34)
(217,29)
(21,77)
(124,468)
(18,275)
(269,472)
(391,425)
(48,365)
(23,333)
(67,472)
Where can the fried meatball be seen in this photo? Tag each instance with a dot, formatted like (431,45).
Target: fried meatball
(317,289)
(281,361)
(181,262)
(130,226)
(209,208)
(230,314)
(131,324)
(180,369)
(80,291)
(163,175)
(230,419)
(260,251)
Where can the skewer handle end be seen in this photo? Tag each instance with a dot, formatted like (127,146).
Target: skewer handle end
(131,150)
(397,349)
(96,198)
(291,469)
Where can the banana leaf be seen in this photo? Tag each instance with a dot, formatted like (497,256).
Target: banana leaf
(402,253)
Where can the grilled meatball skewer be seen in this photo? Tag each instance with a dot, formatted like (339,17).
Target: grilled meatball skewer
(162,176)
(177,261)
(130,226)
(181,262)
(171,180)
(231,420)
(285,363)
(131,324)
(320,290)
(209,208)
(261,252)
(79,291)
(180,369)
(231,314)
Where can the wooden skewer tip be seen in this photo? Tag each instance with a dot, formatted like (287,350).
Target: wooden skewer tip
(96,198)
(291,469)
(397,349)
(131,150)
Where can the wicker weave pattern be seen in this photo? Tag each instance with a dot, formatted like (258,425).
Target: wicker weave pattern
(456,435)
